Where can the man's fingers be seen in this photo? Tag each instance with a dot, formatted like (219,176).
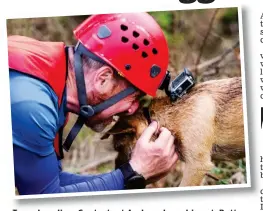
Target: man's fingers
(163,136)
(175,158)
(170,148)
(170,141)
(149,131)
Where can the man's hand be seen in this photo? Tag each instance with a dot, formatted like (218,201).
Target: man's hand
(154,158)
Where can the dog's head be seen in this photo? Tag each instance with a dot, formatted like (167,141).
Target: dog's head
(125,133)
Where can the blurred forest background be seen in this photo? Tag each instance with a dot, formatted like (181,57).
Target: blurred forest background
(205,40)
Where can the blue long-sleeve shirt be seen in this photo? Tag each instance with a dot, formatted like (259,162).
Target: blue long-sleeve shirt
(36,119)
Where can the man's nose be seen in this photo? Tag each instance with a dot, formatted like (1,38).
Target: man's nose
(133,108)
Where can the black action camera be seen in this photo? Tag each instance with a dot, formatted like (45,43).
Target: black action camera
(181,84)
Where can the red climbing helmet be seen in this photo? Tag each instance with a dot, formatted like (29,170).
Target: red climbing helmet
(132,43)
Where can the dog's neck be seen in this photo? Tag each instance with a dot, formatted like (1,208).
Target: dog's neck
(157,109)
(164,111)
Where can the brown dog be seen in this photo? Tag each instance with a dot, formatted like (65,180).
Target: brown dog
(207,124)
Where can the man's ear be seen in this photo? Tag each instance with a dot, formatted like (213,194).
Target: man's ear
(103,79)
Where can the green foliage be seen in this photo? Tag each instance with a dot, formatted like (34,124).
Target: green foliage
(230,15)
(225,171)
(104,168)
(216,171)
(223,182)
(164,19)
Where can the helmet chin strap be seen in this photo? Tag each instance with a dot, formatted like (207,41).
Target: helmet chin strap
(86,110)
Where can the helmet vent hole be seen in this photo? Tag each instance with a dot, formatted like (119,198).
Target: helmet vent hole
(144,54)
(135,46)
(124,39)
(146,42)
(154,50)
(135,34)
(124,27)
(127,66)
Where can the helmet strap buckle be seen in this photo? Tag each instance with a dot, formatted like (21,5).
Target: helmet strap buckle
(86,111)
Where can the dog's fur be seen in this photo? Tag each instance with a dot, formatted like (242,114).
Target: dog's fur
(207,124)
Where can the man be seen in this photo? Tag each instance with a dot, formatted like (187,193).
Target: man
(119,58)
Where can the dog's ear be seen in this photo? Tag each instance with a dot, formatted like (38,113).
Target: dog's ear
(114,132)
(105,136)
(119,128)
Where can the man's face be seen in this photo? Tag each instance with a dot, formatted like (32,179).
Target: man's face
(126,106)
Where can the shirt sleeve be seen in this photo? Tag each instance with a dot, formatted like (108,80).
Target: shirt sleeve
(34,113)
(36,174)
